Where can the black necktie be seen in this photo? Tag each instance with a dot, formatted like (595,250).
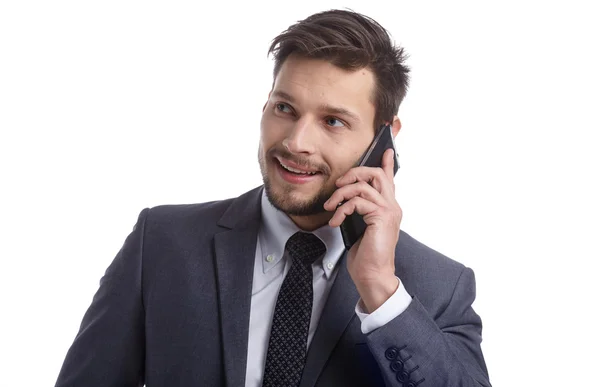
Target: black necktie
(289,333)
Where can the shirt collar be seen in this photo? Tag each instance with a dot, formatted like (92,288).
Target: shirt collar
(277,228)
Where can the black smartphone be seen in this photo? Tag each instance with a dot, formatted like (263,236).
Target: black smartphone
(353,227)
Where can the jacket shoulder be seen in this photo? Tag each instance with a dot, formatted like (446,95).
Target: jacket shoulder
(179,212)
(210,216)
(179,221)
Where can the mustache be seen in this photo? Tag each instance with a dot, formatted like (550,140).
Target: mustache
(285,154)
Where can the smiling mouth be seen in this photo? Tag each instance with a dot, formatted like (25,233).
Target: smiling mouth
(296,171)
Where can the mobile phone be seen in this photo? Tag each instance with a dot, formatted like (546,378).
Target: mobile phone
(353,227)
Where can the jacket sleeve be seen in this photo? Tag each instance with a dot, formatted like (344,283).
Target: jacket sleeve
(415,350)
(109,347)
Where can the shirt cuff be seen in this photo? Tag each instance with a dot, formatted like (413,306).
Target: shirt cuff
(390,309)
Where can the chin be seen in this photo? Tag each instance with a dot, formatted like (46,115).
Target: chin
(293,199)
(297,201)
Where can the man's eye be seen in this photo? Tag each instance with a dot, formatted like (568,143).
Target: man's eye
(281,107)
(331,122)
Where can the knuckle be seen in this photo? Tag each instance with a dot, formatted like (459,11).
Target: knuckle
(353,203)
(363,185)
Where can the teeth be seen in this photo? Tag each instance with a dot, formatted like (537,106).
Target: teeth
(296,170)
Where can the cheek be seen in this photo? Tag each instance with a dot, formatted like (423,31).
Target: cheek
(273,131)
(339,162)
(344,162)
(268,133)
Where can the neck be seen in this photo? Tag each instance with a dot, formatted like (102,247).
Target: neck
(311,222)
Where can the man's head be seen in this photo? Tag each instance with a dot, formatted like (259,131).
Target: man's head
(337,77)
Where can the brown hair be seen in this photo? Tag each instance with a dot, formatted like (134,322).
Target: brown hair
(350,41)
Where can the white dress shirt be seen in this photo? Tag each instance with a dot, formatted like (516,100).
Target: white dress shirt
(272,263)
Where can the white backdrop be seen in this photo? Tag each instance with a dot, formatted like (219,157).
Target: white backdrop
(109,107)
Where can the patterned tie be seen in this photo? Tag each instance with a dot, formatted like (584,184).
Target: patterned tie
(289,334)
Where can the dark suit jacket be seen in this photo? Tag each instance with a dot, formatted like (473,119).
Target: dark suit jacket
(173,309)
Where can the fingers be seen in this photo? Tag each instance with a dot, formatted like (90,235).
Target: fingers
(365,190)
(388,163)
(358,204)
(382,179)
(347,192)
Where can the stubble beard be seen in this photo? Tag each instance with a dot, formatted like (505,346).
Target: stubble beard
(283,200)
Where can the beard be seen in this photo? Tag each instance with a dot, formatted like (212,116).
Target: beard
(282,197)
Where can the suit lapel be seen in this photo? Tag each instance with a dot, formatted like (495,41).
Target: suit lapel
(337,313)
(235,251)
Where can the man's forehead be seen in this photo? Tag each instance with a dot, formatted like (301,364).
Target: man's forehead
(325,72)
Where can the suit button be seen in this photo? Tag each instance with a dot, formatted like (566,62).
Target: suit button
(403,377)
(391,353)
(397,366)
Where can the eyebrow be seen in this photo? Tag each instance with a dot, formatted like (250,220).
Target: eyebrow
(324,107)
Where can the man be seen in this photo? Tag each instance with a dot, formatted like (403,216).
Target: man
(259,290)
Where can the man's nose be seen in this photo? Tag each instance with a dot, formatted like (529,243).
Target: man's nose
(302,137)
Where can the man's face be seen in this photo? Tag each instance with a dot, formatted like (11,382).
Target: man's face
(318,121)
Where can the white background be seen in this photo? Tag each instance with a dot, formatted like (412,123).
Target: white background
(109,107)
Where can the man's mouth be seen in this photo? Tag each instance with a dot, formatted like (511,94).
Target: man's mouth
(295,168)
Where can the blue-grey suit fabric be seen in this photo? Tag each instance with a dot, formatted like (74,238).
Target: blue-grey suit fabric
(173,307)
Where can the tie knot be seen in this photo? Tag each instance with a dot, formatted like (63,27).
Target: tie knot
(305,247)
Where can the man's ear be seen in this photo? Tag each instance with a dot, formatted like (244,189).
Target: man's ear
(396,126)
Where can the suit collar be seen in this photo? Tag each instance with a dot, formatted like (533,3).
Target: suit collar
(235,249)
(244,211)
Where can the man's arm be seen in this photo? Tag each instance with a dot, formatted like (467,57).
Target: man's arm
(109,347)
(414,350)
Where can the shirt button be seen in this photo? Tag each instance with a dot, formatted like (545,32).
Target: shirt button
(270,258)
(329,265)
